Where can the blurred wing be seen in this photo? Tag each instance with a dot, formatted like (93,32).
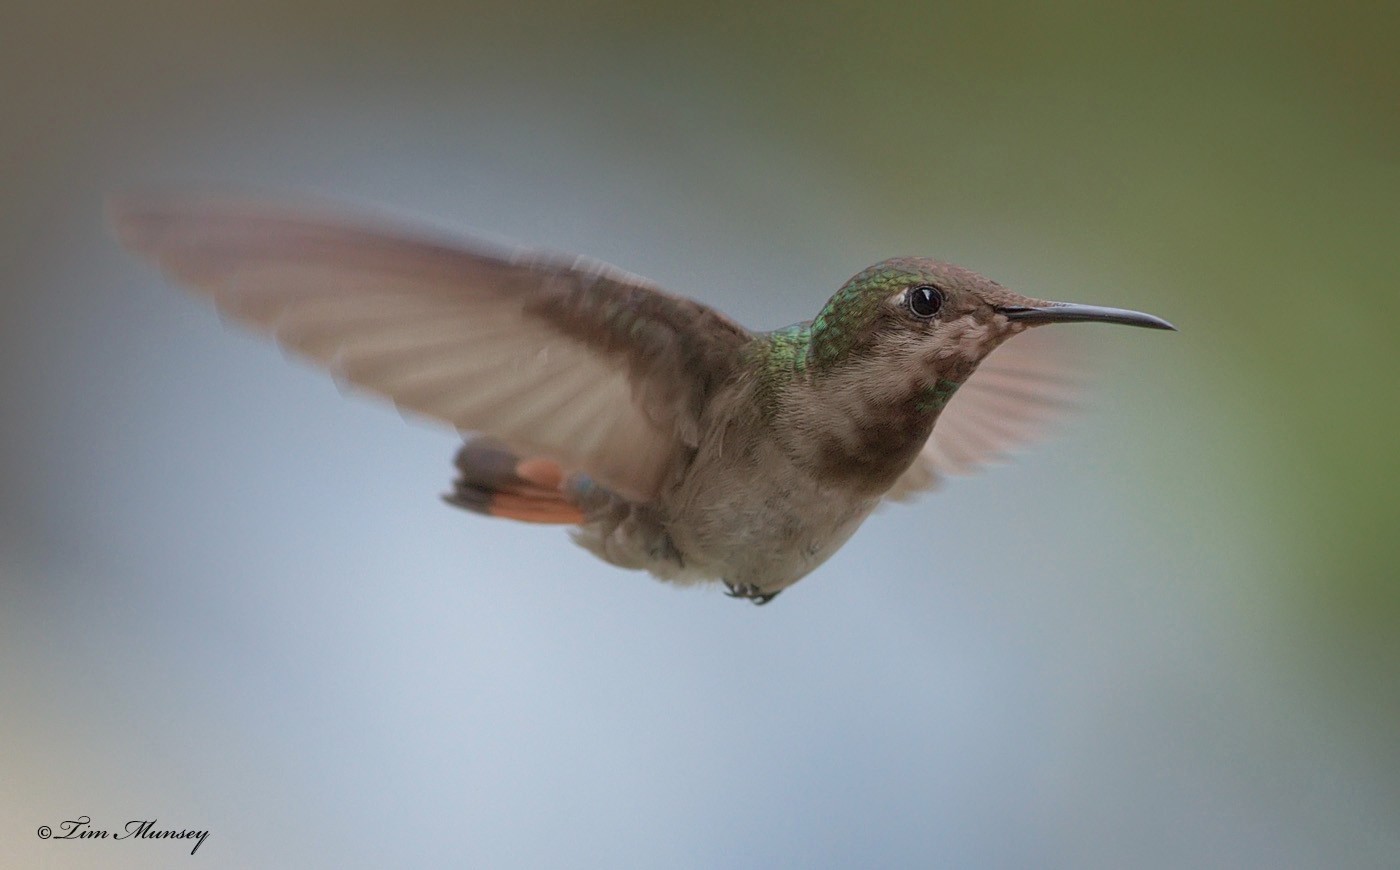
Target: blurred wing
(1020,388)
(568,359)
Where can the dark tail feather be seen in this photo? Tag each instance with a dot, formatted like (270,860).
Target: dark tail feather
(494,481)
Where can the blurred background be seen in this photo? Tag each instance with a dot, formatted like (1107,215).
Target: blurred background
(1168,637)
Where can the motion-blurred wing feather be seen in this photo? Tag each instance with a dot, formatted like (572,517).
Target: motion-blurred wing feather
(569,359)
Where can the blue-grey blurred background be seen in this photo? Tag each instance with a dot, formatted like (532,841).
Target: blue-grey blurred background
(1169,637)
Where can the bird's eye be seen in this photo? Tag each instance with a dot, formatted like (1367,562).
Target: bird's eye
(925,301)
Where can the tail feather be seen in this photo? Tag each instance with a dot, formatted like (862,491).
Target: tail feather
(494,481)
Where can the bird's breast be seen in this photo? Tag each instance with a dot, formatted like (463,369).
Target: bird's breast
(862,436)
(758,518)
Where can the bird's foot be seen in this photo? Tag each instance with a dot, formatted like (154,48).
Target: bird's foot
(750,592)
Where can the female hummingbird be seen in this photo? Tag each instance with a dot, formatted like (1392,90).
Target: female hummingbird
(672,438)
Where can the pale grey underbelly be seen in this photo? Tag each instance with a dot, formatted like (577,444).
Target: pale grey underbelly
(736,524)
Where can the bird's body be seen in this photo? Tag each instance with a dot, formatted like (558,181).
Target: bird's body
(745,507)
(676,441)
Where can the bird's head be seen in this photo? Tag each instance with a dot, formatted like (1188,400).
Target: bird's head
(935,317)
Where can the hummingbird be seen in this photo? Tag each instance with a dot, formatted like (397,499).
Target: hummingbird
(671,438)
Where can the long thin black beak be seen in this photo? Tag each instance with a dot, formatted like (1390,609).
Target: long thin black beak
(1069,312)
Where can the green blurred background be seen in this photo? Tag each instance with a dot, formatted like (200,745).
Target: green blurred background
(1234,168)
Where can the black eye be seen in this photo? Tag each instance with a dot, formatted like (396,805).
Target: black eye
(925,301)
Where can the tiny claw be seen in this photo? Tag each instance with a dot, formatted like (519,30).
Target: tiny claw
(750,592)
